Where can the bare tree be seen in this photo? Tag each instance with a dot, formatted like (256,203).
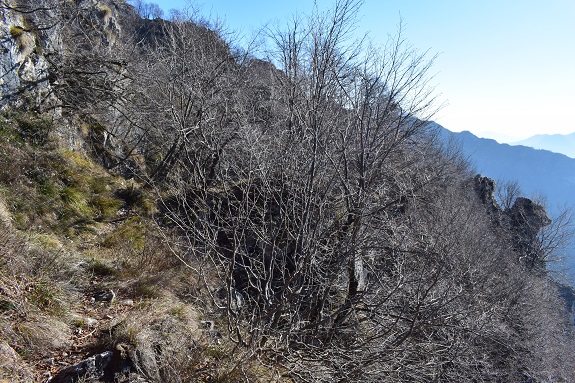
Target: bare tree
(305,224)
(507,192)
(553,239)
(344,243)
(147,10)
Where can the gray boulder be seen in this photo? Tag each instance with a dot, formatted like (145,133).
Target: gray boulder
(92,367)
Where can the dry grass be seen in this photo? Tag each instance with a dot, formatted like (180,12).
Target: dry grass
(69,228)
(33,303)
(57,189)
(12,367)
(5,216)
(171,344)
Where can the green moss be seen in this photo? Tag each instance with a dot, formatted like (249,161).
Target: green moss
(44,295)
(131,233)
(77,201)
(101,268)
(105,206)
(76,159)
(16,31)
(78,322)
(45,241)
(34,129)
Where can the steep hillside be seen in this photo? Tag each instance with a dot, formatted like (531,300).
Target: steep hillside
(176,211)
(84,270)
(539,173)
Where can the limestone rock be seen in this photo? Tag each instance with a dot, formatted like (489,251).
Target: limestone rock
(143,357)
(93,367)
(32,41)
(104,296)
(528,217)
(485,188)
(24,71)
(11,365)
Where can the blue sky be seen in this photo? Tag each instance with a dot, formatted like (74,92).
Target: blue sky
(505,67)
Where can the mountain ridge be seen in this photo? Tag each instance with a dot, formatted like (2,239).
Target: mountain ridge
(557,143)
(550,174)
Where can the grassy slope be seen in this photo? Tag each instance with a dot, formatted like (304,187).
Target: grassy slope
(67,233)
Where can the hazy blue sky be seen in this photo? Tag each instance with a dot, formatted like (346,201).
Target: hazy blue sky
(505,67)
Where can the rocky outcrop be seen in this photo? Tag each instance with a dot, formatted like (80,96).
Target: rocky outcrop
(34,39)
(528,217)
(524,220)
(92,367)
(12,366)
(525,216)
(485,188)
(24,69)
(108,366)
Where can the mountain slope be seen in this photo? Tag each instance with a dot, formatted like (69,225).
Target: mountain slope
(540,173)
(558,143)
(184,213)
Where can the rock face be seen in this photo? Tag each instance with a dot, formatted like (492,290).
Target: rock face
(525,216)
(485,188)
(34,39)
(524,220)
(11,365)
(24,70)
(528,217)
(61,56)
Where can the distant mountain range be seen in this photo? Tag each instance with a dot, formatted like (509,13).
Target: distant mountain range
(558,143)
(539,172)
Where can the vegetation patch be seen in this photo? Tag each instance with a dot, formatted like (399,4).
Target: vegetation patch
(34,129)
(8,133)
(322,234)
(131,234)
(100,268)
(146,289)
(47,297)
(47,244)
(16,31)
(105,206)
(64,190)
